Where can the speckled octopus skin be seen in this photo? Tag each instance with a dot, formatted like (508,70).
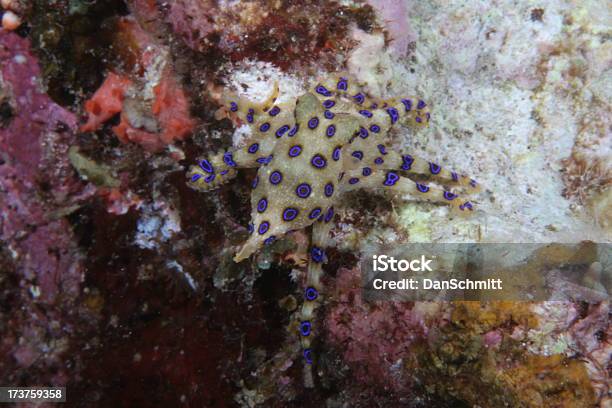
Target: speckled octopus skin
(312,151)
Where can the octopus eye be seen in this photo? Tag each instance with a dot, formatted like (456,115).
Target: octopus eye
(313,123)
(363,133)
(317,254)
(336,154)
(305,328)
(274,111)
(263,227)
(358,154)
(321,90)
(407,104)
(449,196)
(253,148)
(262,205)
(318,161)
(422,188)
(314,213)
(206,166)
(290,214)
(434,168)
(303,190)
(329,104)
(329,189)
(295,151)
(408,160)
(293,131)
(311,293)
(276,177)
(391,179)
(331,130)
(394,114)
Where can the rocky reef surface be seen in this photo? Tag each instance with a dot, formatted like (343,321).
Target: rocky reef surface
(117,280)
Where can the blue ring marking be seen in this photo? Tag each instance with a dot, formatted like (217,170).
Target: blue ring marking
(295,151)
(228,159)
(454,176)
(379,161)
(428,116)
(449,196)
(303,190)
(276,177)
(318,161)
(314,213)
(394,114)
(307,353)
(434,168)
(358,154)
(336,154)
(365,113)
(265,127)
(422,188)
(418,119)
(210,178)
(473,183)
(321,90)
(264,160)
(263,227)
(313,123)
(382,149)
(342,84)
(327,104)
(282,130)
(408,160)
(293,131)
(255,182)
(375,128)
(206,166)
(366,171)
(250,228)
(331,130)
(305,328)
(421,104)
(269,240)
(363,133)
(233,106)
(359,98)
(262,205)
(391,179)
(311,293)
(407,104)
(353,180)
(224,172)
(465,205)
(328,114)
(374,106)
(274,111)
(329,215)
(329,189)
(317,254)
(195,177)
(290,214)
(249,116)
(253,148)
